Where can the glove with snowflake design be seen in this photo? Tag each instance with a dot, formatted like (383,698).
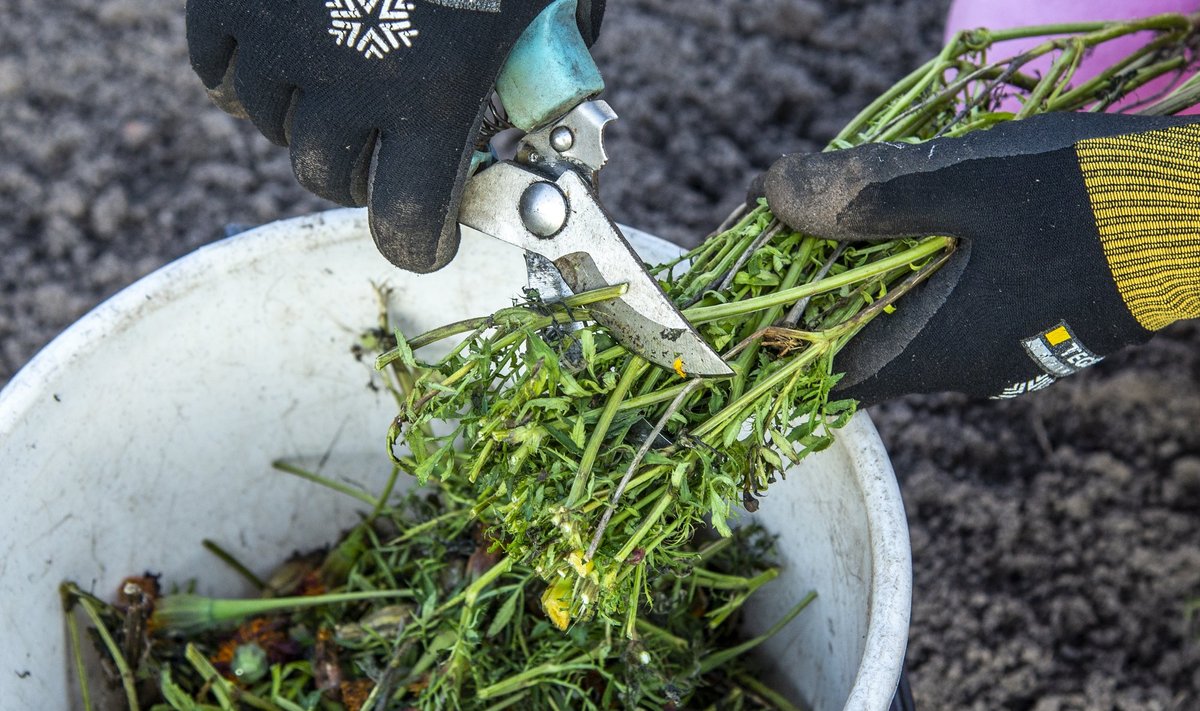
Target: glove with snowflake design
(379,100)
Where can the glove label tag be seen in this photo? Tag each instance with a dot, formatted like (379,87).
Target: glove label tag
(1059,353)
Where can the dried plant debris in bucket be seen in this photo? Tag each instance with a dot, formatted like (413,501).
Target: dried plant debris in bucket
(581,452)
(413,609)
(563,557)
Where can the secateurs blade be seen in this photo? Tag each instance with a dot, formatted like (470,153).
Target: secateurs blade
(545,202)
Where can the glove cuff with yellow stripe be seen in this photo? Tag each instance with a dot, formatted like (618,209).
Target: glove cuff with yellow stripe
(1145,195)
(1078,234)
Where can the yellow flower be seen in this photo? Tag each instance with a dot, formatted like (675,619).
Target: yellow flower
(556,602)
(584,569)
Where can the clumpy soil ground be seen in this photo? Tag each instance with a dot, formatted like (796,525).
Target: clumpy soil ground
(1056,539)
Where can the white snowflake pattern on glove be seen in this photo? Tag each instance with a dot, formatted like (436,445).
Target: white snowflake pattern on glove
(372,27)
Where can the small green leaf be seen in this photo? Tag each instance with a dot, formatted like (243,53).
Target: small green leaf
(771,457)
(429,607)
(783,445)
(173,694)
(587,344)
(504,615)
(403,350)
(720,510)
(567,440)
(557,405)
(679,476)
(733,431)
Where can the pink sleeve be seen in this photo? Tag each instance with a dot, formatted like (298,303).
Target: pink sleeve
(969,14)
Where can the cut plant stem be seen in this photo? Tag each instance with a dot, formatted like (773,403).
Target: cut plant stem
(635,368)
(716,659)
(72,595)
(562,314)
(528,677)
(190,614)
(637,461)
(228,559)
(924,250)
(351,491)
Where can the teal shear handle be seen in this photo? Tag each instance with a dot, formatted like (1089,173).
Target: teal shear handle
(549,71)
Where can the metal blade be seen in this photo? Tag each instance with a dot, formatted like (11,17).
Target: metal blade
(564,222)
(644,321)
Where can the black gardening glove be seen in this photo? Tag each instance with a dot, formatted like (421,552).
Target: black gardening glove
(380,100)
(1079,234)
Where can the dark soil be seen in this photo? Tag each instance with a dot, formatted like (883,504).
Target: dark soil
(1056,538)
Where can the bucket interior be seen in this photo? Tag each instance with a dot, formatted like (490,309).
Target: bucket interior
(152,424)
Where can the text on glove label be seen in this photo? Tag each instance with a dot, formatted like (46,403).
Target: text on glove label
(1058,352)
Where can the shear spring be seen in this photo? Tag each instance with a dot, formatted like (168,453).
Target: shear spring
(495,120)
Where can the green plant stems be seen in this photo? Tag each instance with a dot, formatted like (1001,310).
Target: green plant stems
(66,593)
(716,659)
(189,614)
(635,368)
(563,314)
(73,595)
(925,249)
(238,567)
(351,491)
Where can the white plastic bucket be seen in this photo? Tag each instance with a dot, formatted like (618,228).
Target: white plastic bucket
(151,424)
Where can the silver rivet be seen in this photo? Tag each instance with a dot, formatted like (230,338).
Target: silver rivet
(543,209)
(561,139)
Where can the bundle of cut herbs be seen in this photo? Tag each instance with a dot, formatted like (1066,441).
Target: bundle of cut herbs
(609,460)
(561,558)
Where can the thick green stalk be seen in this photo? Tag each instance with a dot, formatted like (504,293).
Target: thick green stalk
(790,280)
(1060,70)
(939,65)
(632,372)
(923,250)
(731,411)
(647,524)
(871,113)
(191,614)
(472,592)
(529,677)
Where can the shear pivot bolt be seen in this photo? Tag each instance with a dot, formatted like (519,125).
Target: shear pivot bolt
(562,139)
(543,209)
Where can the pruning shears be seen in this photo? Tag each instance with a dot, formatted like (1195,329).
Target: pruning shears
(545,201)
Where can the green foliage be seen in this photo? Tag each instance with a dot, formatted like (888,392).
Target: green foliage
(427,618)
(553,448)
(545,442)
